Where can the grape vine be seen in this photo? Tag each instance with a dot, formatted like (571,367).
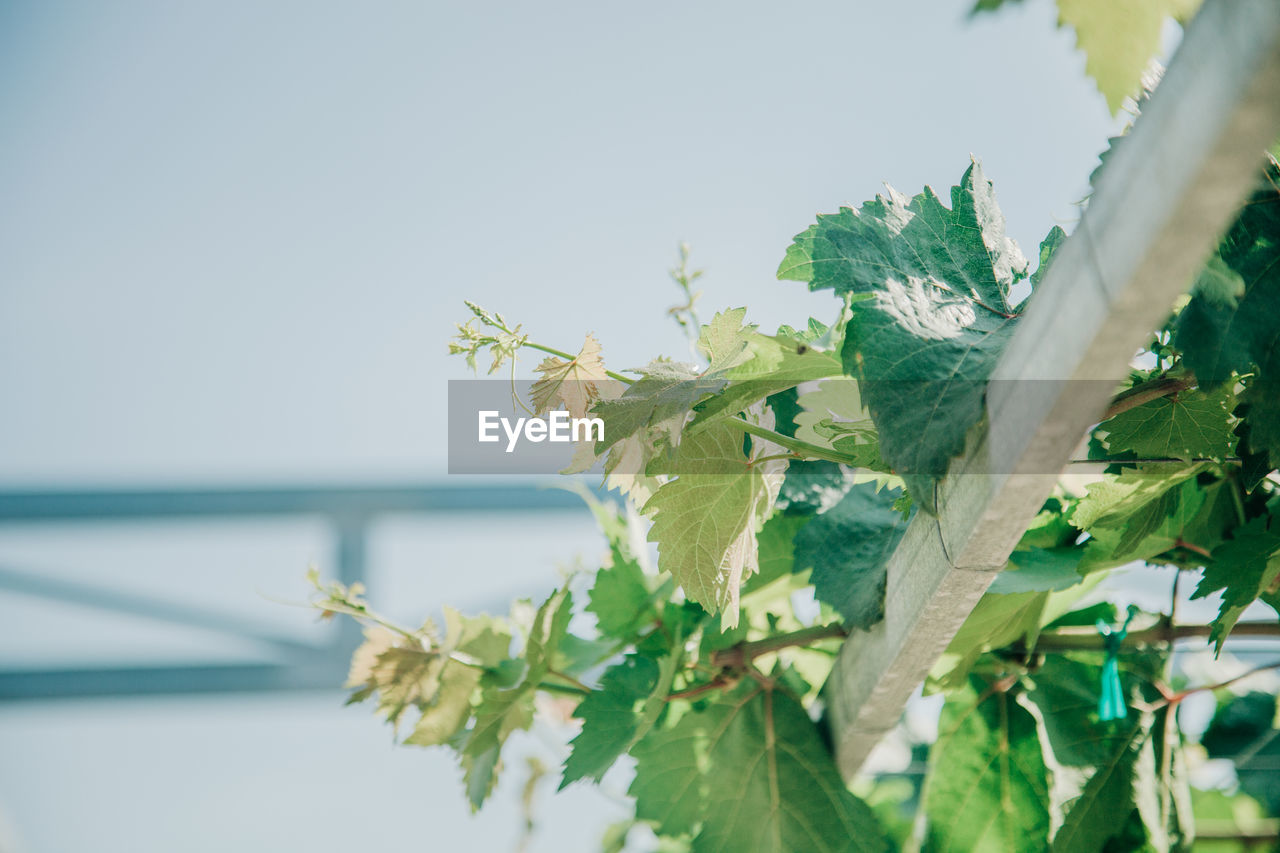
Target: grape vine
(774,477)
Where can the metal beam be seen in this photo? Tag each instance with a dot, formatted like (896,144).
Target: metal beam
(1167,193)
(305,667)
(360,501)
(147,607)
(88,682)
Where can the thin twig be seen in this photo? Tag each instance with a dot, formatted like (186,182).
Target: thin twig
(1084,638)
(1152,389)
(738,656)
(1206,688)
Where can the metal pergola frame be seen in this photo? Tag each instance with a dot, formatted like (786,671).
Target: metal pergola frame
(294,664)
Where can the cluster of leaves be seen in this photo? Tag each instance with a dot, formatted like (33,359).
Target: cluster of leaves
(791,465)
(694,702)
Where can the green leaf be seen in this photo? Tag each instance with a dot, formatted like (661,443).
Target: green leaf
(1262,393)
(498,715)
(649,417)
(1119,40)
(650,413)
(503,710)
(1190,425)
(771,365)
(620,598)
(996,621)
(1114,501)
(1101,768)
(705,520)
(930,316)
(1219,284)
(421,673)
(750,774)
(610,718)
(834,416)
(987,788)
(483,641)
(1244,730)
(776,541)
(848,548)
(1244,568)
(1218,338)
(726,340)
(1038,570)
(402,672)
(813,486)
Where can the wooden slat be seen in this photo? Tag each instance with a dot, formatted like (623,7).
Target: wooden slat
(1168,191)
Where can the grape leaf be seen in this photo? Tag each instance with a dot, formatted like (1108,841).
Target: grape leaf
(576,384)
(484,642)
(504,709)
(649,416)
(652,409)
(848,547)
(610,718)
(776,541)
(620,598)
(751,775)
(669,786)
(991,5)
(1244,730)
(1219,284)
(773,365)
(930,316)
(1262,394)
(1255,465)
(420,672)
(1038,570)
(1098,778)
(1113,502)
(401,671)
(1218,338)
(705,520)
(1189,425)
(1119,40)
(1244,568)
(987,787)
(834,416)
(499,713)
(726,341)
(813,486)
(996,621)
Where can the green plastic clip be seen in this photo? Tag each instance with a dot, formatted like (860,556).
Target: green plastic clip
(1111,704)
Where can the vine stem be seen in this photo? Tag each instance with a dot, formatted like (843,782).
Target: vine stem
(573,682)
(1145,392)
(803,448)
(740,655)
(1177,697)
(567,357)
(1084,638)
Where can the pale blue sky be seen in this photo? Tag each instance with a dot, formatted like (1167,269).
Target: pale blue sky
(234,237)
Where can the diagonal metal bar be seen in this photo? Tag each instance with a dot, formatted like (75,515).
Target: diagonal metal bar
(147,607)
(1168,191)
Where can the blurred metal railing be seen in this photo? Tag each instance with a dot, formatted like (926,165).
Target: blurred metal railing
(293,664)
